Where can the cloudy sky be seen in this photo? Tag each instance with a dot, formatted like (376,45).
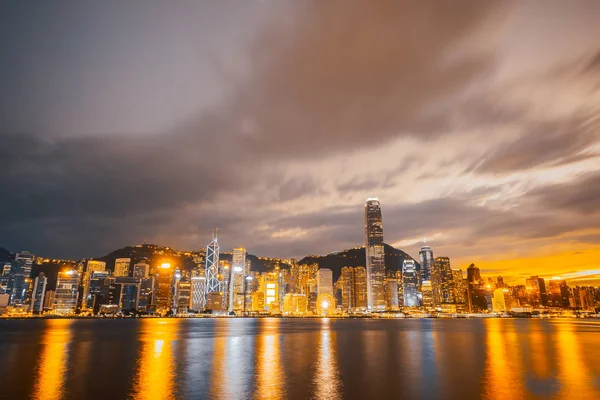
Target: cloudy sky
(477,125)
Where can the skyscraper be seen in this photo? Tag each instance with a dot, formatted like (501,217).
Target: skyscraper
(443,281)
(38,292)
(325,281)
(236,280)
(67,291)
(141,270)
(198,293)
(375,255)
(426,260)
(360,288)
(164,280)
(213,285)
(91,267)
(410,283)
(347,288)
(19,274)
(122,267)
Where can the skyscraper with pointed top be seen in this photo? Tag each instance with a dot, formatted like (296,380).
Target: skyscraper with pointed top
(375,255)
(212,265)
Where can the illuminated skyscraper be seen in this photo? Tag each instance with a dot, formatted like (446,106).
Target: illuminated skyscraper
(443,281)
(65,296)
(375,255)
(325,281)
(213,285)
(347,288)
(184,292)
(459,287)
(426,260)
(558,293)
(198,293)
(164,280)
(39,290)
(498,303)
(236,280)
(360,288)
(410,284)
(122,267)
(91,267)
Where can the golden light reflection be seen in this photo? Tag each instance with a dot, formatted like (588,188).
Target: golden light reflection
(539,355)
(53,360)
(573,374)
(503,369)
(155,373)
(269,371)
(326,377)
(218,379)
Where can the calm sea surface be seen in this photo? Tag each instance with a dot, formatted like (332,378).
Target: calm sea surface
(299,359)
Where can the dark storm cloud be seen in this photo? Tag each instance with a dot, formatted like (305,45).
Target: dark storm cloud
(543,144)
(581,196)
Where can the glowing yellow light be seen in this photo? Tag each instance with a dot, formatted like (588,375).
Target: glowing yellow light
(324,304)
(165,265)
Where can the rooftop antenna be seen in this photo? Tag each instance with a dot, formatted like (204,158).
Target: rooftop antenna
(424,240)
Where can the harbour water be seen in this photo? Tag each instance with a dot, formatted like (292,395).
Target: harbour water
(272,358)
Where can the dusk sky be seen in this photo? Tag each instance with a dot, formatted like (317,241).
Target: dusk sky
(476,123)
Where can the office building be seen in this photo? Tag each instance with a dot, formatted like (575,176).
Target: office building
(213,285)
(122,267)
(558,293)
(236,280)
(38,292)
(375,255)
(164,280)
(67,291)
(198,293)
(426,260)
(498,302)
(325,281)
(410,284)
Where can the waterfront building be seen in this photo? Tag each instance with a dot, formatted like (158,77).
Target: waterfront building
(410,284)
(147,298)
(91,267)
(258,301)
(443,281)
(236,280)
(459,287)
(214,302)
(213,285)
(391,292)
(498,301)
(164,279)
(325,304)
(325,281)
(427,294)
(375,255)
(67,291)
(360,288)
(122,267)
(198,293)
(558,293)
(347,278)
(38,292)
(49,300)
(184,293)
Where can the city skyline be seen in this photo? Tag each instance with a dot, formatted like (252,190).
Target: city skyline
(475,123)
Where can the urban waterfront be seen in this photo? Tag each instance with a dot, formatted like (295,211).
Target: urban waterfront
(239,358)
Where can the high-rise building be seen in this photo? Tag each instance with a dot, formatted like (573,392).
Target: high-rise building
(141,270)
(391,292)
(426,260)
(443,281)
(410,284)
(427,294)
(236,280)
(459,287)
(164,280)
(19,273)
(198,293)
(184,293)
(375,255)
(147,299)
(122,267)
(360,288)
(558,293)
(38,292)
(325,281)
(91,267)
(213,285)
(347,278)
(67,291)
(474,275)
(498,303)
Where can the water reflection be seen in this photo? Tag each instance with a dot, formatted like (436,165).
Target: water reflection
(573,374)
(326,378)
(269,372)
(155,373)
(52,364)
(503,370)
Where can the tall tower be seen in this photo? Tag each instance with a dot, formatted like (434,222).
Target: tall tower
(236,280)
(375,255)
(426,259)
(212,266)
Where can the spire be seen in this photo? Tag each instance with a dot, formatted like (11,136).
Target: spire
(424,240)
(215,234)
